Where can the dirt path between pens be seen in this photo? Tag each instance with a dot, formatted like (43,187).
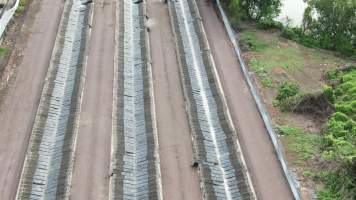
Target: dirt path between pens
(92,156)
(179,180)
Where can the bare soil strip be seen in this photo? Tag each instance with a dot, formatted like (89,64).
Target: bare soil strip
(92,159)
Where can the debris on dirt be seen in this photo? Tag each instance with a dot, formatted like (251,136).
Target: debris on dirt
(195,164)
(316,105)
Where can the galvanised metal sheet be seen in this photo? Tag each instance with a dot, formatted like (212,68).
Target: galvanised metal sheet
(134,171)
(46,167)
(217,155)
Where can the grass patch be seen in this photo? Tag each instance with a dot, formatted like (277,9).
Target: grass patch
(22,6)
(4,52)
(303,146)
(251,40)
(275,59)
(261,72)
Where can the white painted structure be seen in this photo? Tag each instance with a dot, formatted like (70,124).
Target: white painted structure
(6,16)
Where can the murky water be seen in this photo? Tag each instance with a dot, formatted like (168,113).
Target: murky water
(294,10)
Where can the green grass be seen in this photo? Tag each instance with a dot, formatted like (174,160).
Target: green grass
(3,52)
(271,53)
(337,185)
(249,37)
(275,59)
(261,72)
(304,146)
(22,6)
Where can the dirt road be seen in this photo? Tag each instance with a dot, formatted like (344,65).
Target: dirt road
(20,104)
(179,180)
(92,158)
(267,175)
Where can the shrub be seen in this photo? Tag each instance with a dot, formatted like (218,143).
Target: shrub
(290,33)
(21,8)
(329,93)
(269,24)
(287,90)
(332,75)
(337,185)
(340,131)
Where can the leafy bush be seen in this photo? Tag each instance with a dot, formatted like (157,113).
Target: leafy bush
(329,93)
(339,138)
(334,28)
(260,9)
(338,185)
(21,8)
(289,33)
(255,10)
(332,75)
(287,90)
(268,23)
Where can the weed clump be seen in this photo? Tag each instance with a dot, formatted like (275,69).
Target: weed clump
(21,8)
(287,90)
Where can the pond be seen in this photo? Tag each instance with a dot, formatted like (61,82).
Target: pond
(294,10)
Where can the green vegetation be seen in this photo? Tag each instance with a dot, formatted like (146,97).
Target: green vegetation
(269,24)
(21,8)
(338,185)
(275,59)
(303,146)
(3,52)
(340,131)
(257,10)
(332,29)
(335,27)
(287,90)
(261,72)
(291,66)
(261,9)
(251,40)
(337,143)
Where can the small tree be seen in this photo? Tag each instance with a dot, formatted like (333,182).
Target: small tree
(261,9)
(334,25)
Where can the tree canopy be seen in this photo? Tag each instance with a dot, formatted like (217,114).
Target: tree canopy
(256,9)
(332,23)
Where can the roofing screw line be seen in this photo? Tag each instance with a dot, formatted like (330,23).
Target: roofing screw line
(226,178)
(134,169)
(202,96)
(47,165)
